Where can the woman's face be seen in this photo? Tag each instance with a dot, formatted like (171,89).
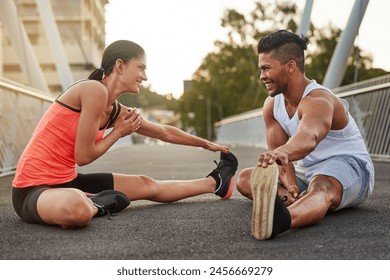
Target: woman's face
(134,74)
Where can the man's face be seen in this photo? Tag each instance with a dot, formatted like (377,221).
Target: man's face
(272,73)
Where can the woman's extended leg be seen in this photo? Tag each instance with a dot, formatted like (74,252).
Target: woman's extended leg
(220,181)
(143,187)
(70,207)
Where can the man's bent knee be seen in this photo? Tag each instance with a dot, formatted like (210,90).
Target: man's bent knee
(330,187)
(243,182)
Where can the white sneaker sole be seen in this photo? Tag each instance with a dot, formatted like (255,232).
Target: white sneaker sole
(264,186)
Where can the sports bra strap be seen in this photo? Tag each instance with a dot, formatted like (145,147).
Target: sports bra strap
(114,113)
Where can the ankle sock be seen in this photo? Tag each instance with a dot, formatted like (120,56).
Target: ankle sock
(282,218)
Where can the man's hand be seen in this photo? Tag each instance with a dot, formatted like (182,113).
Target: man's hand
(278,155)
(291,195)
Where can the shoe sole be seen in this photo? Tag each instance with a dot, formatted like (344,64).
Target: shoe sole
(264,186)
(230,189)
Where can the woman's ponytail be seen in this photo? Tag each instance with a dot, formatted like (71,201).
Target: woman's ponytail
(97,74)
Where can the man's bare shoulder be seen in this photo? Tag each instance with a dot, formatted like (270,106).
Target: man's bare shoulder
(268,104)
(318,97)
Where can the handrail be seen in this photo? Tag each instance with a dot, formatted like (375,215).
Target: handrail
(21,108)
(23,89)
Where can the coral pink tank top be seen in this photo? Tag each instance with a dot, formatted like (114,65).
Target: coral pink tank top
(49,156)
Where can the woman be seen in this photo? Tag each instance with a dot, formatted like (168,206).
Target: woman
(47,188)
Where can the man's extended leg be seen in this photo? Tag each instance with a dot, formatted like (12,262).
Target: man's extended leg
(270,216)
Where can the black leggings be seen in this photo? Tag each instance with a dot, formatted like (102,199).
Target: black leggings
(25,200)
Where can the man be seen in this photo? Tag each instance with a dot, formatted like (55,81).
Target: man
(306,125)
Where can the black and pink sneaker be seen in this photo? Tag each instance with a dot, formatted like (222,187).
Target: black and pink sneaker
(109,202)
(224,175)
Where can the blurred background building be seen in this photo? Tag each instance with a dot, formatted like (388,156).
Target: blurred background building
(81,30)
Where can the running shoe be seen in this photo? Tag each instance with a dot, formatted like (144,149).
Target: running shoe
(269,215)
(110,202)
(224,175)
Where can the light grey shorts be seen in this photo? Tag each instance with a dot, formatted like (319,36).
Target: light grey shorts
(355,174)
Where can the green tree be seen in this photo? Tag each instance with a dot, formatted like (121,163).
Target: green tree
(229,76)
(227,81)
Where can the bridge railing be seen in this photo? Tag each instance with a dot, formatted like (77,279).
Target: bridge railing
(21,108)
(369,105)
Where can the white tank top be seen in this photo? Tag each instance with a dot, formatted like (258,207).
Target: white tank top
(344,141)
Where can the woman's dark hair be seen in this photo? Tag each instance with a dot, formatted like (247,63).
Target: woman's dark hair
(285,46)
(122,49)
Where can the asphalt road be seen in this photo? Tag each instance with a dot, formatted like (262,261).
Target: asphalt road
(199,228)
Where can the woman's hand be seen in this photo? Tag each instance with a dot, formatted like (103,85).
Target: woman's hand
(217,148)
(128,122)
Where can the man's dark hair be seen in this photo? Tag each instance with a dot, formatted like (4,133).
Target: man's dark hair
(285,46)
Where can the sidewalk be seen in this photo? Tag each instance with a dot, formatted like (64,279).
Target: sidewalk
(204,227)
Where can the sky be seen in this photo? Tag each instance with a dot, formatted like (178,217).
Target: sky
(178,34)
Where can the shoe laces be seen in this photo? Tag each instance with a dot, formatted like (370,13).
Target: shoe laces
(111,213)
(105,209)
(219,169)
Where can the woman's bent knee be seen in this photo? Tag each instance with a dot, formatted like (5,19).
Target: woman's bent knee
(68,208)
(78,214)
